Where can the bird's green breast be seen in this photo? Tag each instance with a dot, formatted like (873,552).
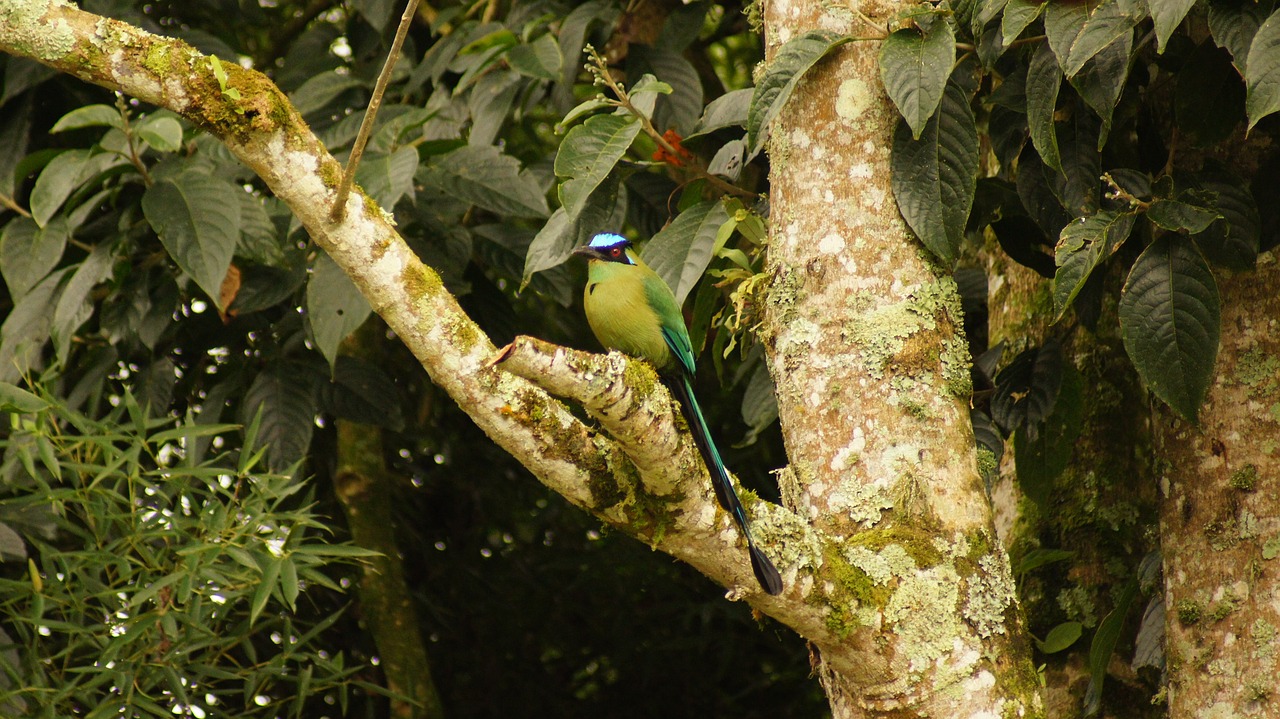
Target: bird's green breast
(620,314)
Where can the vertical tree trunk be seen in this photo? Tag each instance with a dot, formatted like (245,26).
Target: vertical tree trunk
(1220,517)
(865,343)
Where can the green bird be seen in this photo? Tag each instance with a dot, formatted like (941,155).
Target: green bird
(631,309)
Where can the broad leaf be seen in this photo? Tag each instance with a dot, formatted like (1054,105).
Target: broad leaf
(62,176)
(89,116)
(1101,81)
(1018,14)
(75,306)
(934,178)
(197,217)
(1085,244)
(1061,637)
(388,177)
(1262,75)
(563,232)
(1079,30)
(588,154)
(1043,81)
(1180,216)
(728,110)
(1036,194)
(26,328)
(1170,319)
(1078,187)
(1233,240)
(914,67)
(681,104)
(1027,389)
(362,392)
(1233,25)
(773,90)
(681,252)
(1041,456)
(1167,15)
(335,307)
(285,394)
(162,132)
(485,177)
(28,252)
(539,59)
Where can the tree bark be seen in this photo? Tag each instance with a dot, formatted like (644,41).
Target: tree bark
(1220,516)
(865,342)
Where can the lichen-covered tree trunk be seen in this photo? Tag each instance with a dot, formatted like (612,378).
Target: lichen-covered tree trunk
(1220,516)
(865,345)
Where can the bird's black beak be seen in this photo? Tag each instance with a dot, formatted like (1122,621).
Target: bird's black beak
(589,252)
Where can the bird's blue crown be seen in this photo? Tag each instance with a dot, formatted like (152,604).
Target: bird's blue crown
(605,240)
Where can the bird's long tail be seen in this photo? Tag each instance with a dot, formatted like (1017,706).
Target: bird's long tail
(765,572)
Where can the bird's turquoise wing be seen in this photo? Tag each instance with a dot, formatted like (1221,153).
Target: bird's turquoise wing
(674,332)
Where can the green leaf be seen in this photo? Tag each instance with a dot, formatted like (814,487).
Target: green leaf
(680,106)
(728,110)
(773,90)
(1084,245)
(28,252)
(934,178)
(1061,637)
(335,307)
(759,402)
(539,59)
(289,582)
(1170,320)
(1041,456)
(62,176)
(914,67)
(1168,15)
(261,595)
(388,177)
(161,132)
(75,305)
(321,90)
(588,154)
(1104,645)
(563,232)
(1262,74)
(1232,241)
(1079,30)
(1027,389)
(284,392)
(1233,25)
(197,217)
(1018,14)
(1037,558)
(1180,216)
(26,328)
(16,399)
(1078,187)
(1102,79)
(1043,82)
(681,252)
(483,176)
(89,116)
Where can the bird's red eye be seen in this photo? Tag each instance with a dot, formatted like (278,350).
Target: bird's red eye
(615,252)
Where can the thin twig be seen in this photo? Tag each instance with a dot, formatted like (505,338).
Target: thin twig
(624,101)
(9,203)
(128,136)
(366,127)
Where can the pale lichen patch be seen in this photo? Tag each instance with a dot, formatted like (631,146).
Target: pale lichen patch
(853,98)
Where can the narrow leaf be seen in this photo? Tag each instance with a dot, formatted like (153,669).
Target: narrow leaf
(1170,320)
(773,90)
(16,399)
(1018,14)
